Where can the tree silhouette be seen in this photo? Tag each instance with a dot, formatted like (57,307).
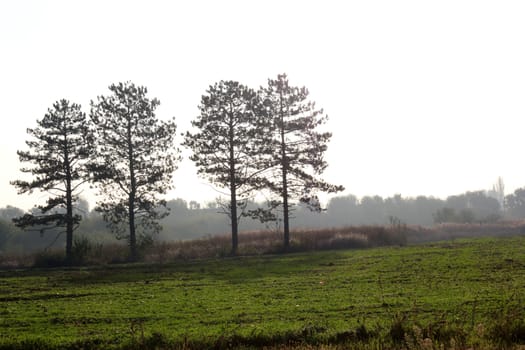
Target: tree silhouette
(226,145)
(515,203)
(296,149)
(61,145)
(135,162)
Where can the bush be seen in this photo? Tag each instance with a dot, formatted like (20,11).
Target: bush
(80,250)
(398,328)
(49,259)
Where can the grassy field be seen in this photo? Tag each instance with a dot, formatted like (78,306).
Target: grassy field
(463,293)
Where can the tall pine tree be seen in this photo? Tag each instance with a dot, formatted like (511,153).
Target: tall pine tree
(226,145)
(296,150)
(61,145)
(135,162)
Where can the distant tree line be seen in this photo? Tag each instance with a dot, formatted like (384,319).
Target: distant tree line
(245,142)
(192,220)
(425,211)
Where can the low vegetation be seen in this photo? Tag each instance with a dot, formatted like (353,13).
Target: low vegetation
(453,294)
(89,251)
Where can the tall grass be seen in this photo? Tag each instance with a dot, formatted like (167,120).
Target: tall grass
(250,243)
(263,242)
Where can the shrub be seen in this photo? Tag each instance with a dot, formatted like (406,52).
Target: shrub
(398,328)
(49,259)
(80,250)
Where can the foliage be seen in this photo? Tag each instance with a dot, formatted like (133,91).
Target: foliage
(60,146)
(49,259)
(5,233)
(135,161)
(97,251)
(185,223)
(448,294)
(468,208)
(516,203)
(295,149)
(81,248)
(9,212)
(227,141)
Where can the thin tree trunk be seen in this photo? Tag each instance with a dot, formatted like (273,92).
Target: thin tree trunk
(235,228)
(69,201)
(131,200)
(286,212)
(69,219)
(132,237)
(233,190)
(284,166)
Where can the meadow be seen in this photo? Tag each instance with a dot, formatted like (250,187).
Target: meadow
(464,293)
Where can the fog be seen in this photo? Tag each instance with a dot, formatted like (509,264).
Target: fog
(190,220)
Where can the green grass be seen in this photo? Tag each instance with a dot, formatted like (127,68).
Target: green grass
(467,288)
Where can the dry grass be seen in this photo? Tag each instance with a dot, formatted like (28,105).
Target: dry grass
(270,242)
(452,230)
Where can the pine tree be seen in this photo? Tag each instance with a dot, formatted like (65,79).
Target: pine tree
(135,162)
(296,150)
(61,145)
(226,144)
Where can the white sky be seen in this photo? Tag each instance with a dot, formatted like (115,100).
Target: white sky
(424,97)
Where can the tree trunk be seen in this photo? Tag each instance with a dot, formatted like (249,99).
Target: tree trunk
(132,236)
(69,203)
(69,221)
(284,166)
(235,228)
(233,189)
(131,199)
(286,221)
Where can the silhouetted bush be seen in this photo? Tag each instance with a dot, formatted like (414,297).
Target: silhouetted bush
(80,250)
(49,259)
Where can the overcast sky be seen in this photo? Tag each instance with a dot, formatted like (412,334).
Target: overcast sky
(424,97)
